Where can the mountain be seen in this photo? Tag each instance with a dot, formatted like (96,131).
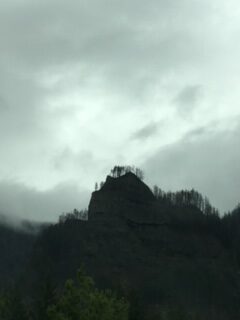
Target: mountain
(155,252)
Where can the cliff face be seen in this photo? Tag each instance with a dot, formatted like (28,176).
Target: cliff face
(130,187)
(126,198)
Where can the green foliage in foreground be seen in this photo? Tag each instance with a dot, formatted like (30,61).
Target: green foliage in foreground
(11,306)
(81,300)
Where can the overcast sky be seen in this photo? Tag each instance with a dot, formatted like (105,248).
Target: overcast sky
(85,85)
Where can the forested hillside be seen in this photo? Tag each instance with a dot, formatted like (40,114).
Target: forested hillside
(169,255)
(15,246)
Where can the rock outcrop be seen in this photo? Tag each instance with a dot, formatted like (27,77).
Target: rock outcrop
(126,198)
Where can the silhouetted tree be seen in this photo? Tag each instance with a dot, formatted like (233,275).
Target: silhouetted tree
(74,215)
(118,171)
(186,198)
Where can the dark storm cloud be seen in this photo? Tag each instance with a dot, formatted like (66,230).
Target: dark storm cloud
(146,132)
(22,202)
(209,163)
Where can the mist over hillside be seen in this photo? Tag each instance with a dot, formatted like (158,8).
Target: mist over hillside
(18,202)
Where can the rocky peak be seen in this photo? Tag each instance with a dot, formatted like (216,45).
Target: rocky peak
(126,196)
(128,186)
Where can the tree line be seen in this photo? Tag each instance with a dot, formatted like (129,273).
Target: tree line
(118,171)
(185,198)
(74,215)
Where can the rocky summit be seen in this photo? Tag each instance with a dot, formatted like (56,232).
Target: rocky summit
(126,198)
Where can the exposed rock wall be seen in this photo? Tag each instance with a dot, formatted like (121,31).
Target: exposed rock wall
(127,198)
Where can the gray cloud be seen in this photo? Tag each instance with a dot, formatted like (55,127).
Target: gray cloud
(19,201)
(81,161)
(118,42)
(187,100)
(146,132)
(208,162)
(197,132)
(3,105)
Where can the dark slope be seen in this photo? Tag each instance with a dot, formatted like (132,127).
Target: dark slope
(166,255)
(15,248)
